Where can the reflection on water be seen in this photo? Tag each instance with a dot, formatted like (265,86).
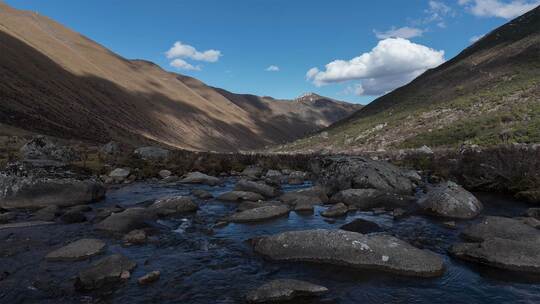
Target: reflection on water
(199,264)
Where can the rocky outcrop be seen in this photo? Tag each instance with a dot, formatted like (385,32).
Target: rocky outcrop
(109,270)
(173,205)
(79,250)
(377,251)
(262,189)
(237,196)
(152,153)
(502,243)
(259,214)
(364,199)
(341,173)
(41,148)
(127,220)
(33,193)
(337,210)
(200,178)
(450,200)
(284,290)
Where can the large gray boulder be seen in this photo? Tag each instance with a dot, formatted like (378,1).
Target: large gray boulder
(79,250)
(377,251)
(261,188)
(259,214)
(173,205)
(119,174)
(336,210)
(284,290)
(152,153)
(35,193)
(450,200)
(341,173)
(125,221)
(200,178)
(238,196)
(109,270)
(365,199)
(500,242)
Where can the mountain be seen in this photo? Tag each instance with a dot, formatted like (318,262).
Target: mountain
(57,82)
(488,94)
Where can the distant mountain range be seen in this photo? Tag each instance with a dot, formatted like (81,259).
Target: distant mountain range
(57,82)
(488,94)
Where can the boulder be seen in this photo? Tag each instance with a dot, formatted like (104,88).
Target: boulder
(135,237)
(361,226)
(73,216)
(284,290)
(164,173)
(365,199)
(127,220)
(111,148)
(534,212)
(235,196)
(355,250)
(173,205)
(506,254)
(296,178)
(103,213)
(202,194)
(78,250)
(252,171)
(35,193)
(259,214)
(109,270)
(24,224)
(314,194)
(341,173)
(501,227)
(262,189)
(48,213)
(152,153)
(531,196)
(119,175)
(252,205)
(149,277)
(42,148)
(450,200)
(336,210)
(200,178)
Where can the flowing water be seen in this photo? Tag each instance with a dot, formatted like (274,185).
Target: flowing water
(199,264)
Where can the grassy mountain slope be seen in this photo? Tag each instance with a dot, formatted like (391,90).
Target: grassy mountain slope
(488,94)
(58,82)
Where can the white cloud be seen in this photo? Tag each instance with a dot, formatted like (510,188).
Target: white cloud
(437,11)
(180,50)
(272,68)
(402,32)
(183,65)
(390,64)
(475,38)
(499,8)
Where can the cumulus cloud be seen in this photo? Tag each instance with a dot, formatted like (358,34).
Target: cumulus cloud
(183,65)
(499,8)
(475,38)
(180,50)
(402,32)
(437,11)
(390,64)
(272,68)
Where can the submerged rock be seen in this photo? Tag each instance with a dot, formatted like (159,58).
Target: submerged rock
(450,200)
(200,178)
(284,290)
(365,199)
(78,250)
(173,205)
(202,194)
(135,237)
(235,196)
(376,251)
(361,226)
(149,277)
(109,270)
(337,210)
(259,214)
(35,193)
(127,220)
(262,189)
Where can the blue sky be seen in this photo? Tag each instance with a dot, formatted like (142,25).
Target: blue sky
(232,44)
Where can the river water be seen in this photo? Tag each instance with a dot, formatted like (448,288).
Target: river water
(199,264)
